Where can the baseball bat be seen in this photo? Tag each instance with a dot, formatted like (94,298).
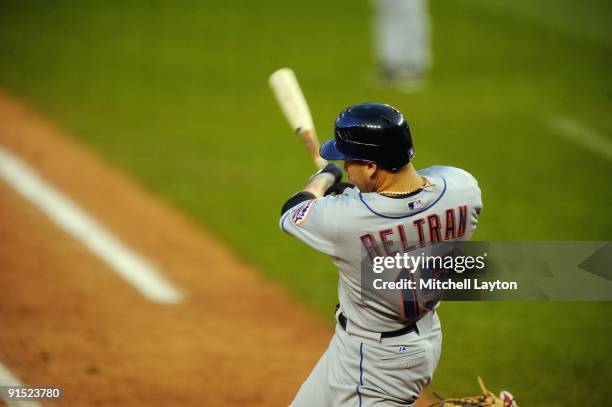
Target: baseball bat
(291,100)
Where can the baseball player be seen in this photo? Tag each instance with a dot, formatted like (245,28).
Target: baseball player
(379,354)
(402,38)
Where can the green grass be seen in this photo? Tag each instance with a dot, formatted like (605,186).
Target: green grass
(177,94)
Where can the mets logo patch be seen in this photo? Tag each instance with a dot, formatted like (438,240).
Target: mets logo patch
(300,213)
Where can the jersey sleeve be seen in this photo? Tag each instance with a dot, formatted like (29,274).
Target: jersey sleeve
(313,222)
(473,198)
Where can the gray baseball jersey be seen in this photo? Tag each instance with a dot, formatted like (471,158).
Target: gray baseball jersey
(346,226)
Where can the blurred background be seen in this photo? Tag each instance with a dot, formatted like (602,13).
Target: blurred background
(176,93)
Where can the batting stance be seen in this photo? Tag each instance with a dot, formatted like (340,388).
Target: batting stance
(379,354)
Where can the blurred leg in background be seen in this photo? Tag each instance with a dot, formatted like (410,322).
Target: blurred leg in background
(402,35)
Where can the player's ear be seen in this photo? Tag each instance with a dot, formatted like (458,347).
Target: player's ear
(371,168)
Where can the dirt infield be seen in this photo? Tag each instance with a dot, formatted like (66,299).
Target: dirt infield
(67,320)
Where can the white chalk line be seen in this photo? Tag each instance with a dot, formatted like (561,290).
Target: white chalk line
(8,379)
(572,130)
(66,214)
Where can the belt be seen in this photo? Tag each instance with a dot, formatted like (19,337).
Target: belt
(402,331)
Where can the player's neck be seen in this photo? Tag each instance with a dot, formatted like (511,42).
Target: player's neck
(405,179)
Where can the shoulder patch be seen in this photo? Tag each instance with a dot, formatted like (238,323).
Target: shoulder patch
(299,214)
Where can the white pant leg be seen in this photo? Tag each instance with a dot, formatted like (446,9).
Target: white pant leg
(335,379)
(402,31)
(396,370)
(315,390)
(435,337)
(361,372)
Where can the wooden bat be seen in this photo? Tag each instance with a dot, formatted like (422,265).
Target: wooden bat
(291,100)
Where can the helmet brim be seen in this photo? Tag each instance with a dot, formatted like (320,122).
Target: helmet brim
(329,151)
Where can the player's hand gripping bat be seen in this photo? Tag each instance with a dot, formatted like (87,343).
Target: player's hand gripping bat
(291,100)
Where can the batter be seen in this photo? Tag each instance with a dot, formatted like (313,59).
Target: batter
(382,353)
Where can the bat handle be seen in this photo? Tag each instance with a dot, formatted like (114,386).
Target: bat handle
(320,162)
(311,142)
